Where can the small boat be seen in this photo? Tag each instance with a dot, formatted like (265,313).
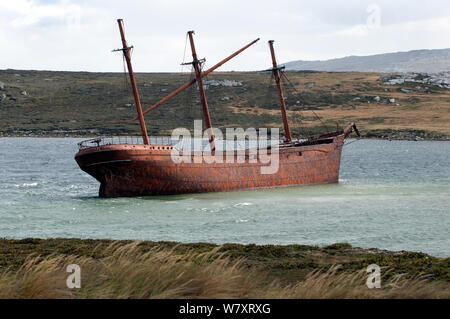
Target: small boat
(127,168)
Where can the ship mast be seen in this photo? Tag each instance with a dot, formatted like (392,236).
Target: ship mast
(277,74)
(205,73)
(198,74)
(126,53)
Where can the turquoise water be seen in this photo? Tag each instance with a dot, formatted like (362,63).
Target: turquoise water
(392,195)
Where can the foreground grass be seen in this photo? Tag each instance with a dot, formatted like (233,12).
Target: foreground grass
(36,268)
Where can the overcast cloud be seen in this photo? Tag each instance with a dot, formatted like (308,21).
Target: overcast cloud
(78,35)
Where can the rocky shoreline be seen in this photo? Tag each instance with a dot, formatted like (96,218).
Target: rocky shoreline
(400,135)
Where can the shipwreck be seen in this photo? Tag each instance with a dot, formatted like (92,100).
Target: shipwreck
(139,169)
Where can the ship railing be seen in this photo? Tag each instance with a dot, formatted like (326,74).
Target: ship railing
(186,145)
(180,144)
(116,140)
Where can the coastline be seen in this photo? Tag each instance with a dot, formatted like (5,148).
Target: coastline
(403,135)
(80,104)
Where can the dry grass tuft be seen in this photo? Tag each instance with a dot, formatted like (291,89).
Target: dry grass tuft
(127,272)
(37,278)
(333,284)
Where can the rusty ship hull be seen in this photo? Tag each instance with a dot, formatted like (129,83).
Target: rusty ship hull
(140,170)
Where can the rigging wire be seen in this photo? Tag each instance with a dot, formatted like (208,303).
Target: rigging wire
(190,96)
(184,54)
(298,117)
(355,140)
(126,84)
(298,93)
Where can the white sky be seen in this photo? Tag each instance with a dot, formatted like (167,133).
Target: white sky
(78,35)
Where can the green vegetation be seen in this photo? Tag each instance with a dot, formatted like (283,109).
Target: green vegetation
(35,268)
(44,103)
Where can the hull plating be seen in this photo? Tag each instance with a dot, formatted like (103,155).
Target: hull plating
(137,170)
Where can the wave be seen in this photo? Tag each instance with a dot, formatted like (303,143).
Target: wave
(25,185)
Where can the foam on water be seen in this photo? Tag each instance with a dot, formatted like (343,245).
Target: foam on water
(391,195)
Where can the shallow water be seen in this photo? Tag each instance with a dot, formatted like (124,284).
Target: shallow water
(392,195)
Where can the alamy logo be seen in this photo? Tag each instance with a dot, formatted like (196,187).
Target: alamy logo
(74,279)
(374,18)
(374,279)
(254,146)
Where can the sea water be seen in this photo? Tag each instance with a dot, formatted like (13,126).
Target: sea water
(391,195)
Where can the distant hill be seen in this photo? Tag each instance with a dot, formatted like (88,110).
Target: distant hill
(429,61)
(398,106)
